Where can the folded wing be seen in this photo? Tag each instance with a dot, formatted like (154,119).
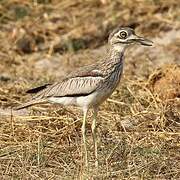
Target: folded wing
(79,84)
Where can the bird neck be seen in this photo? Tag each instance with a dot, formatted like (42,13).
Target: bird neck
(116,53)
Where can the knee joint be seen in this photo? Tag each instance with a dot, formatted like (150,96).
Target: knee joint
(93,127)
(83,129)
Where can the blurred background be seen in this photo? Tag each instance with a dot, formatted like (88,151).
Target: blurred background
(42,41)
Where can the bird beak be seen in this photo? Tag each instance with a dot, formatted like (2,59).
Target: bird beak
(142,41)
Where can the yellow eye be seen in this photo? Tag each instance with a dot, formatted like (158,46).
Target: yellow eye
(123,34)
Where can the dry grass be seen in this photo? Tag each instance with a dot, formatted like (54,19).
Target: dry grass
(138,131)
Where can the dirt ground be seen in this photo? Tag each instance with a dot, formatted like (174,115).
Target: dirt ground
(138,126)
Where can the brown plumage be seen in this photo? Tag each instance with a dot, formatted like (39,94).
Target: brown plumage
(89,86)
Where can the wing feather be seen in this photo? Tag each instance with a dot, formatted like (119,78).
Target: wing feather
(81,83)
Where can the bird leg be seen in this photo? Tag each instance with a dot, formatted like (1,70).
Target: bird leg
(84,136)
(93,127)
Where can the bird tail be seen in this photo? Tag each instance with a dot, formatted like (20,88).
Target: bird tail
(30,103)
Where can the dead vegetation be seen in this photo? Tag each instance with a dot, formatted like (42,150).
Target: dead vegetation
(166,82)
(138,126)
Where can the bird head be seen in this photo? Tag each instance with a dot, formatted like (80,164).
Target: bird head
(121,37)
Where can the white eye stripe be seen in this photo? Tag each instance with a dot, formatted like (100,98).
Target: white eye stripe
(122,34)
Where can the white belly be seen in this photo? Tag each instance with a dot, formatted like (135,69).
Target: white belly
(88,101)
(66,101)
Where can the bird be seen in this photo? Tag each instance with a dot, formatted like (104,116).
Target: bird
(89,86)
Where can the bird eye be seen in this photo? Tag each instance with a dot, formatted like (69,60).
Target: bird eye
(123,34)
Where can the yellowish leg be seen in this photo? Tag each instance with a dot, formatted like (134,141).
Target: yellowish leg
(93,127)
(85,111)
